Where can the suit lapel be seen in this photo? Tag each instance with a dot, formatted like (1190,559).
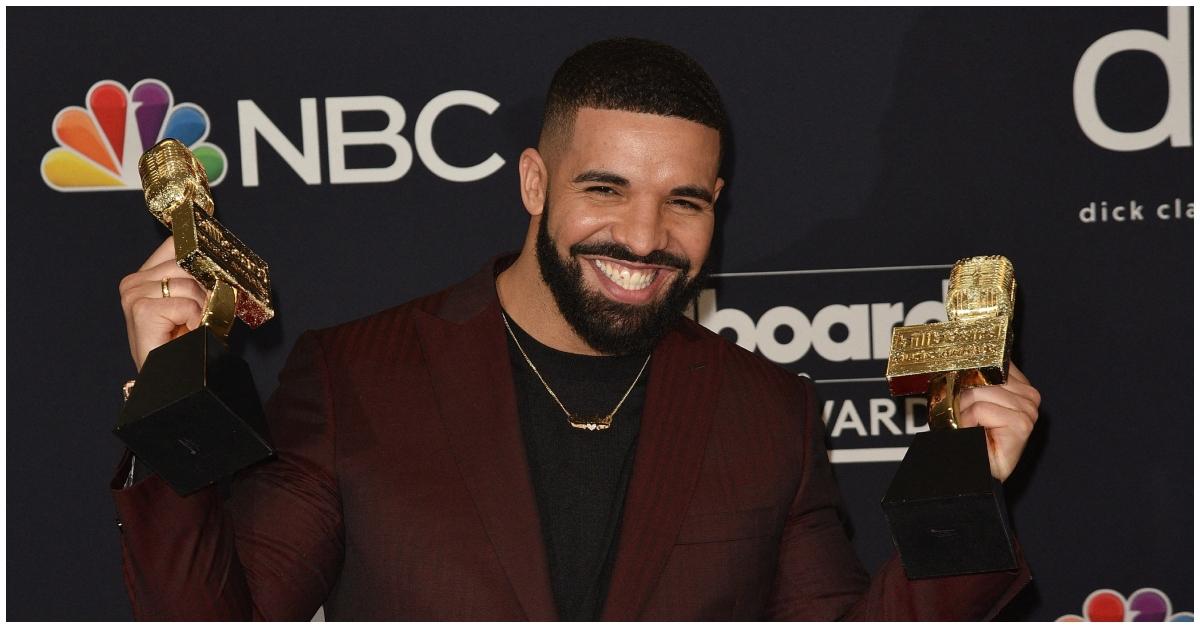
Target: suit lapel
(680,403)
(468,361)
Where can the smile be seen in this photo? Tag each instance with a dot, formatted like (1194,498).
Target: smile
(632,279)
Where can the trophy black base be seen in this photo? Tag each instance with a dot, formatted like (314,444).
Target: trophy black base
(946,512)
(194,416)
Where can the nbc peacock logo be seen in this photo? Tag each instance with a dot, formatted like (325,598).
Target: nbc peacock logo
(99,145)
(1145,604)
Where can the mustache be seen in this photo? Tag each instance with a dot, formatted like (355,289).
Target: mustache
(623,254)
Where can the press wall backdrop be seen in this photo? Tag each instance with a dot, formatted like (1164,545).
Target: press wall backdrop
(370,156)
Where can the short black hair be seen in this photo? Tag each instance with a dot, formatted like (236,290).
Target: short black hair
(637,75)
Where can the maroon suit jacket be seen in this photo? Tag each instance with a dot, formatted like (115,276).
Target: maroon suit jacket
(401,491)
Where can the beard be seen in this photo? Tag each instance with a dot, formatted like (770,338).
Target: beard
(608,326)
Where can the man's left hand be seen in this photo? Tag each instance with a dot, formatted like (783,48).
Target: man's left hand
(1008,413)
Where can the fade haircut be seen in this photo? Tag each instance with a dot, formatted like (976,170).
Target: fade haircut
(635,75)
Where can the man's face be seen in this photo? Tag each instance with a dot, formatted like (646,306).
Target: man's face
(627,224)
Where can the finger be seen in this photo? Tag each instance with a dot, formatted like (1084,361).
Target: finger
(1024,391)
(1007,433)
(148,284)
(995,416)
(154,321)
(1019,384)
(159,314)
(165,251)
(177,288)
(999,395)
(1015,373)
(166,268)
(131,284)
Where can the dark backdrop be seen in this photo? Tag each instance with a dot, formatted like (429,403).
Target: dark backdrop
(887,140)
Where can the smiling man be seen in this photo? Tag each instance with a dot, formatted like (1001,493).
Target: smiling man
(623,209)
(550,439)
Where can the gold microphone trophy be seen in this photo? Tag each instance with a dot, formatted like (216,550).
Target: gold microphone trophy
(946,512)
(194,415)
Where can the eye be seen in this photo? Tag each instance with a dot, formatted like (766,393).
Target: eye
(686,204)
(602,190)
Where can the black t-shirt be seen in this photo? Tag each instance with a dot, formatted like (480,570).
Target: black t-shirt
(579,476)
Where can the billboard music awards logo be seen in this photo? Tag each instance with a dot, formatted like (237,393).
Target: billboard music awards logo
(99,145)
(834,325)
(1146,604)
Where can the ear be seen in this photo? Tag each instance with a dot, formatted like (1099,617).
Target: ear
(534,179)
(720,185)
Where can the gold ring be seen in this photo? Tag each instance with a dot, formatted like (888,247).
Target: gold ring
(166,287)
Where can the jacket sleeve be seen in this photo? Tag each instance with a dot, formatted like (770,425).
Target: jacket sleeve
(819,575)
(273,549)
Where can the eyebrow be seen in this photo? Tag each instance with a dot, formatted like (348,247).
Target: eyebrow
(601,176)
(612,178)
(693,191)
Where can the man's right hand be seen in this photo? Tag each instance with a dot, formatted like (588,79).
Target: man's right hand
(151,318)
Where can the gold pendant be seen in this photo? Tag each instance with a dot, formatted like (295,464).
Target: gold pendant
(591,423)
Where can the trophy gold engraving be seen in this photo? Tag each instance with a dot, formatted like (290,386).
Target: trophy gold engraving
(946,512)
(194,416)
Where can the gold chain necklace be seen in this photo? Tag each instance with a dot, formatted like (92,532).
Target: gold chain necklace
(582,423)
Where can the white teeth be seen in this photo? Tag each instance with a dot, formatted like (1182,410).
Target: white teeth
(627,279)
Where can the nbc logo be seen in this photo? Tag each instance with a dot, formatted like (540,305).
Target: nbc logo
(1146,604)
(99,146)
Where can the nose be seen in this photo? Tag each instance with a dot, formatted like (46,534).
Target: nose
(642,228)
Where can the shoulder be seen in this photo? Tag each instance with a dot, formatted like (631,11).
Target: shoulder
(761,407)
(393,330)
(748,373)
(387,337)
